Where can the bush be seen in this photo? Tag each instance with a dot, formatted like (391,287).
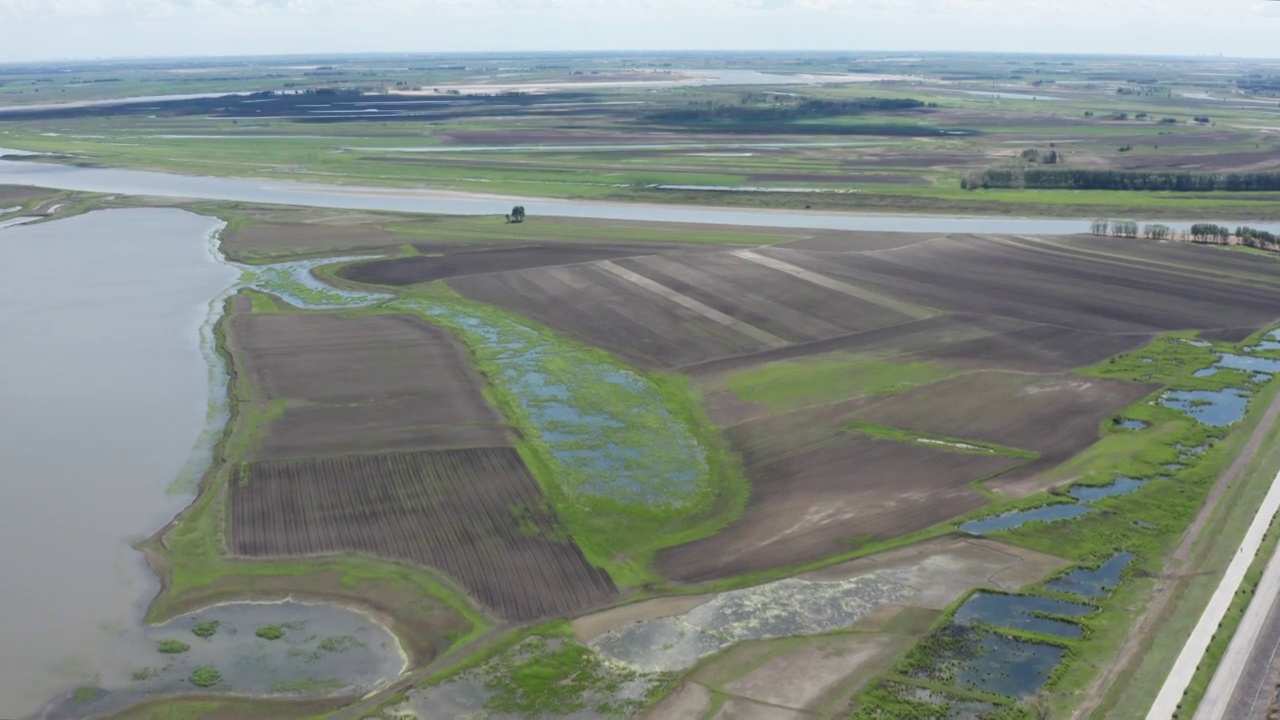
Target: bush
(270,632)
(205,629)
(206,676)
(172,647)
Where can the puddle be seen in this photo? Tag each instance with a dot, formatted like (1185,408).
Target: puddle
(1174,467)
(979,659)
(317,650)
(1093,493)
(1009,667)
(1131,424)
(1018,518)
(1096,582)
(780,609)
(629,448)
(1207,372)
(1022,612)
(294,283)
(1248,363)
(1271,341)
(1217,408)
(946,706)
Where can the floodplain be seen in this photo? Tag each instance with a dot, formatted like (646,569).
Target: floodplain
(626,457)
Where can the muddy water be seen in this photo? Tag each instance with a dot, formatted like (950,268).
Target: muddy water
(135,182)
(103,394)
(110,401)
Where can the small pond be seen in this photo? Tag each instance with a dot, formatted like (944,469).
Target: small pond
(1018,518)
(1248,363)
(1092,493)
(1093,582)
(1217,408)
(1131,424)
(1022,612)
(1008,667)
(309,650)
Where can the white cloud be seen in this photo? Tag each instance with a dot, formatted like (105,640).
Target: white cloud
(79,28)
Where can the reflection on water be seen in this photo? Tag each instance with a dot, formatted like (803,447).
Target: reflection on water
(1008,521)
(1121,486)
(136,182)
(1093,583)
(1217,408)
(306,650)
(1022,612)
(101,408)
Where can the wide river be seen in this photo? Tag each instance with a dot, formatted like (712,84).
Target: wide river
(104,390)
(158,184)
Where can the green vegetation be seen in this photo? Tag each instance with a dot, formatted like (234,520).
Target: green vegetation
(677,480)
(791,385)
(173,647)
(205,629)
(938,442)
(87,694)
(339,643)
(1148,522)
(205,676)
(270,632)
(543,671)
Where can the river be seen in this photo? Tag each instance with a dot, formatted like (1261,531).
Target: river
(159,184)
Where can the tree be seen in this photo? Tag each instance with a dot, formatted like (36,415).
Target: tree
(1100,227)
(517,214)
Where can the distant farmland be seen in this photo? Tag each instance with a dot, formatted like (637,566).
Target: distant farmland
(476,514)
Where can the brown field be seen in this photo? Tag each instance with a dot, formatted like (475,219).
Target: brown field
(1056,282)
(365,384)
(816,486)
(476,514)
(674,310)
(456,260)
(1055,416)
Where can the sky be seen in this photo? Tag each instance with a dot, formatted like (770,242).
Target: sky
(94,29)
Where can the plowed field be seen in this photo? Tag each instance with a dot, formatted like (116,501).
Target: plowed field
(816,485)
(364,384)
(475,514)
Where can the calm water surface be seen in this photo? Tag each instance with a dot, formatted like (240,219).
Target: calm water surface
(103,394)
(138,182)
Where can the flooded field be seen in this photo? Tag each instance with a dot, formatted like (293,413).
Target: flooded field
(1023,612)
(103,397)
(1008,521)
(780,609)
(277,649)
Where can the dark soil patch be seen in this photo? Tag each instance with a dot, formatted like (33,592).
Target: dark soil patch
(1053,283)
(265,240)
(472,260)
(476,514)
(1055,416)
(818,489)
(362,384)
(858,241)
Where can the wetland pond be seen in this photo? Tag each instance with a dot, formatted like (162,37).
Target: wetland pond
(110,399)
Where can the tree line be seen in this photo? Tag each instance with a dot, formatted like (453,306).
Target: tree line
(1201,233)
(1084,179)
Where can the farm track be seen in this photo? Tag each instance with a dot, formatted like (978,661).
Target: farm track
(1179,566)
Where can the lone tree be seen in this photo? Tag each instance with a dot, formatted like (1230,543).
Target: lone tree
(517,214)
